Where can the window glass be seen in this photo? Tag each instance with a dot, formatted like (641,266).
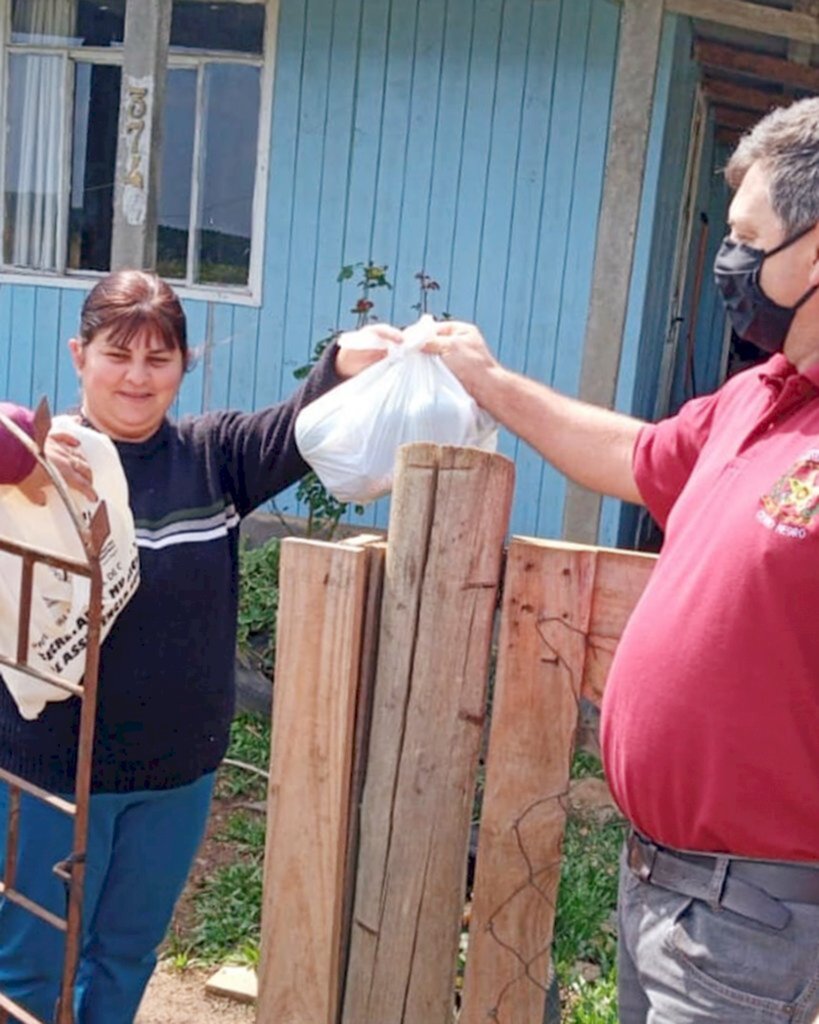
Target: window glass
(176,175)
(33,160)
(229,134)
(101,24)
(93,165)
(68,22)
(200,25)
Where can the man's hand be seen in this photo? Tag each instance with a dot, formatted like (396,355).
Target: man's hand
(370,345)
(463,349)
(62,451)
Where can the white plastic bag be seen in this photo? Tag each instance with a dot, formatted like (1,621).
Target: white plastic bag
(350,436)
(59,608)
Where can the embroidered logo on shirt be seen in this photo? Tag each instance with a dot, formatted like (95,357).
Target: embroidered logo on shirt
(793,501)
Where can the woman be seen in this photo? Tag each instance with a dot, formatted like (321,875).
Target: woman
(166,694)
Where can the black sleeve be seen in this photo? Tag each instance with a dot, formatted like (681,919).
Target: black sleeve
(258,449)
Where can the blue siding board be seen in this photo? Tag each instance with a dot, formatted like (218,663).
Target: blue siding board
(6,294)
(285,120)
(475,156)
(46,341)
(366,130)
(419,163)
(341,94)
(392,170)
(21,357)
(67,393)
(243,357)
(219,364)
(586,195)
(191,394)
(450,119)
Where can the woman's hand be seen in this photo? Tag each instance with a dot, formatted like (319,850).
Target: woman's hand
(62,451)
(370,346)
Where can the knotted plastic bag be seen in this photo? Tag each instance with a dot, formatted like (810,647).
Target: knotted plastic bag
(350,436)
(60,600)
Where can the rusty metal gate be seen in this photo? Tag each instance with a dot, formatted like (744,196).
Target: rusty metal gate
(72,870)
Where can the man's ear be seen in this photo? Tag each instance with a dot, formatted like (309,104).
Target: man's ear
(77,353)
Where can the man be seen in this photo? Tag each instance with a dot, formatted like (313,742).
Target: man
(710,729)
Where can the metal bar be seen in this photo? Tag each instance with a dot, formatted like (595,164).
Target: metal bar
(46,677)
(12,833)
(52,558)
(82,792)
(24,619)
(56,802)
(13,896)
(23,1016)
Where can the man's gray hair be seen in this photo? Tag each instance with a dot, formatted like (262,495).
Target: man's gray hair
(786,143)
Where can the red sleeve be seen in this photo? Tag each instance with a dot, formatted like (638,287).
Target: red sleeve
(666,452)
(15,462)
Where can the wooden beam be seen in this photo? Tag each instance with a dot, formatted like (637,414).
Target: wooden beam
(727,137)
(542,648)
(756,65)
(770,21)
(729,94)
(637,58)
(801,53)
(737,120)
(449,515)
(322,597)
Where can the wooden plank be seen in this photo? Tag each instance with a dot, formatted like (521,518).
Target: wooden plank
(737,120)
(376,549)
(637,58)
(801,53)
(449,515)
(770,21)
(717,90)
(620,579)
(545,617)
(727,137)
(756,65)
(321,610)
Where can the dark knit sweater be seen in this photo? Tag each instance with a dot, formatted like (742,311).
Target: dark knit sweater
(166,692)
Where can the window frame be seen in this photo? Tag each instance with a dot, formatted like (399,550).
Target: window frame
(249,294)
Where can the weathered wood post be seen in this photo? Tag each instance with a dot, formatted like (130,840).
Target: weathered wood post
(322,604)
(450,512)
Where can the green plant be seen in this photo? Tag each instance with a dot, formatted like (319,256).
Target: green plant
(249,743)
(324,512)
(258,604)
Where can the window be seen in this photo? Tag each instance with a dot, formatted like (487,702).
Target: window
(63,73)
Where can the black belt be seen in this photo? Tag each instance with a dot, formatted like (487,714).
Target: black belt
(751,888)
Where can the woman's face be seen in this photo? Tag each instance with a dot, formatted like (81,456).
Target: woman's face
(127,391)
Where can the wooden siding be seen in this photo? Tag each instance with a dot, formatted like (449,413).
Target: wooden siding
(463,137)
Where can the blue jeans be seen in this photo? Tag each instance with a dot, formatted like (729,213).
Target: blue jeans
(140,850)
(680,962)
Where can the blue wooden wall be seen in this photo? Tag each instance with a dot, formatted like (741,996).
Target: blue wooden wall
(462,137)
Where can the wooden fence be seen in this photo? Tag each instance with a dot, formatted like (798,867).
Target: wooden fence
(383,662)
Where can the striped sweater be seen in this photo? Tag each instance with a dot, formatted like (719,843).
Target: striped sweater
(166,693)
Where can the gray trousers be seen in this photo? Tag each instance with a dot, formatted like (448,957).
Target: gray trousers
(680,962)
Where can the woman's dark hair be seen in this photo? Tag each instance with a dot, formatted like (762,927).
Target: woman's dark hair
(128,301)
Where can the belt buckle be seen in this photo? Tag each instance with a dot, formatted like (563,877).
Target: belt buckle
(641,857)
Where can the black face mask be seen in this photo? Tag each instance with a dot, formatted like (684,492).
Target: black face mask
(753,315)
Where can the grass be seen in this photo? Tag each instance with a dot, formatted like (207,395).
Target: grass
(585,944)
(228,906)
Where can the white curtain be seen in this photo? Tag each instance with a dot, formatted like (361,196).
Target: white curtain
(37,106)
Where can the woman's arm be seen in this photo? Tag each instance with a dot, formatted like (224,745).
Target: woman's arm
(19,467)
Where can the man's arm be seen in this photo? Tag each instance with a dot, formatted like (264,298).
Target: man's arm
(591,445)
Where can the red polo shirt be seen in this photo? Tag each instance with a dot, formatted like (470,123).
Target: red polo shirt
(710,725)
